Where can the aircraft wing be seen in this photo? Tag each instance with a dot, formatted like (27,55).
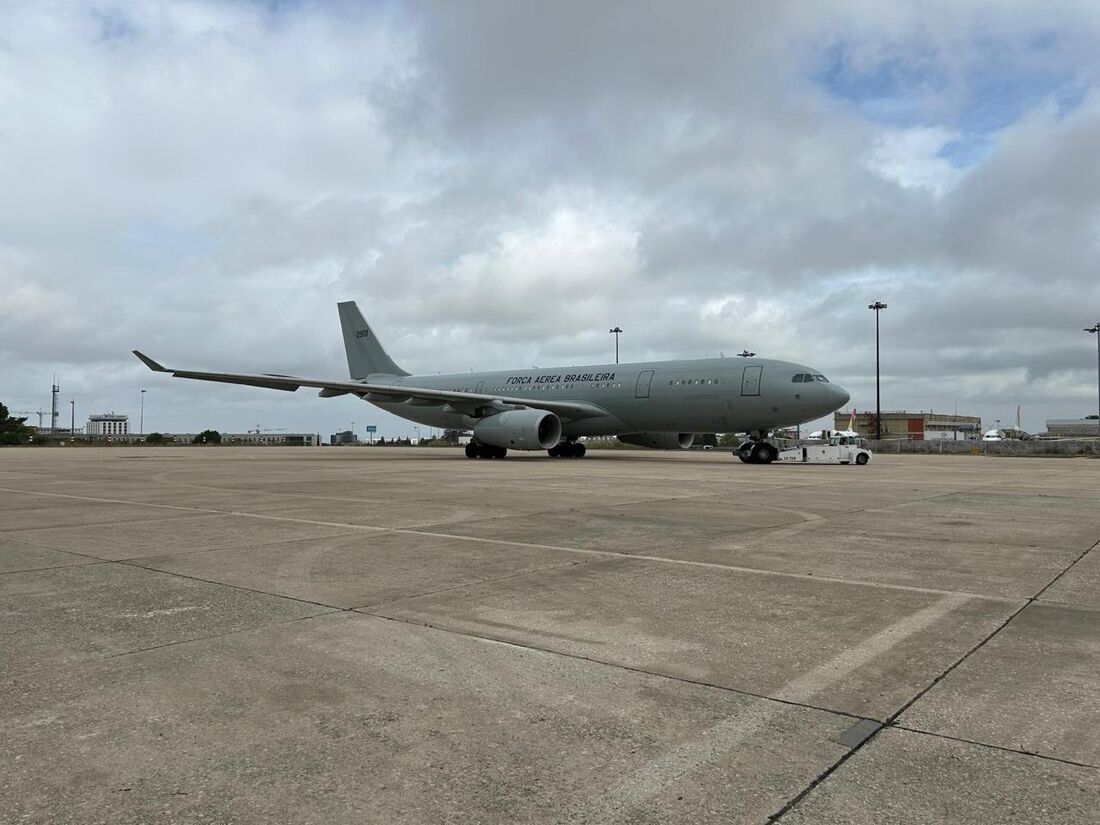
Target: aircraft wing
(468,403)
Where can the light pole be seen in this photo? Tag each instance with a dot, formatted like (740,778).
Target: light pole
(417,436)
(72,419)
(877,306)
(141,419)
(1095,330)
(616,331)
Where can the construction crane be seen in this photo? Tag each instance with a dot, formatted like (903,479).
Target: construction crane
(39,413)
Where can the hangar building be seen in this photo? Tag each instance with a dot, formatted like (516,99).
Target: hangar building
(913,426)
(1071,427)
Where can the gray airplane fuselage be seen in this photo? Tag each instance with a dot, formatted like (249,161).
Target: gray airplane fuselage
(657,404)
(691,396)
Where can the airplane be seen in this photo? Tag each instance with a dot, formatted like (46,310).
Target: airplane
(656,404)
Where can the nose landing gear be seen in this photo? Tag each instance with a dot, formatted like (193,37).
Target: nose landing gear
(757,452)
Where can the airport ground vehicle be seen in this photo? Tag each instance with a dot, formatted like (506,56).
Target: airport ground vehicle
(842,449)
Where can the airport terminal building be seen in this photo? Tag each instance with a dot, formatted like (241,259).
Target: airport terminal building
(108,424)
(1073,427)
(909,426)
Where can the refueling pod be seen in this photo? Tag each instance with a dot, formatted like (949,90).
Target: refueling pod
(520,430)
(660,441)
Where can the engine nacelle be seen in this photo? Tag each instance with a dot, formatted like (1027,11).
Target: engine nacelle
(660,441)
(520,430)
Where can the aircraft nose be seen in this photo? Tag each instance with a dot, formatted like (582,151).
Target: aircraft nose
(840,396)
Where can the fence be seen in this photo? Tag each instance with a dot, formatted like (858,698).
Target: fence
(1013,447)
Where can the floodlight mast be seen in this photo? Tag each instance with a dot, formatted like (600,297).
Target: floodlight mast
(616,331)
(877,306)
(1095,330)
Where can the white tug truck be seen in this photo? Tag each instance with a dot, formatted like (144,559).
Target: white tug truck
(840,448)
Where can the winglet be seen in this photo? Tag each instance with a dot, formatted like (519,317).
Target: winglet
(150,363)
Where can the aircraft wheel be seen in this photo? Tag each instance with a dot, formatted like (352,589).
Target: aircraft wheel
(485,451)
(499,452)
(579,450)
(861,459)
(763,453)
(745,459)
(471,450)
(747,452)
(556,451)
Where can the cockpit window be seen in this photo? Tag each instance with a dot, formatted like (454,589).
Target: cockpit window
(822,378)
(798,379)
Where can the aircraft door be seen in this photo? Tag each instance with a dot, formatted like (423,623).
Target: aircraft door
(645,378)
(750,381)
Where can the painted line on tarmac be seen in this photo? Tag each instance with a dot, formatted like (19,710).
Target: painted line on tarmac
(607,554)
(628,797)
(342,524)
(755,571)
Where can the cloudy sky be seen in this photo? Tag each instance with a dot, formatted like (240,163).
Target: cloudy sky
(498,183)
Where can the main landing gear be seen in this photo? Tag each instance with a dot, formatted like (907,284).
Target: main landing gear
(567,449)
(757,451)
(475,450)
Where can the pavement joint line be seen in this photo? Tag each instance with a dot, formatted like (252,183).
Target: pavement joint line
(57,566)
(132,563)
(1071,565)
(1005,748)
(640,785)
(223,634)
(887,723)
(585,551)
(891,721)
(615,665)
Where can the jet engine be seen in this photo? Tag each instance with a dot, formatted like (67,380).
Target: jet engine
(659,441)
(520,430)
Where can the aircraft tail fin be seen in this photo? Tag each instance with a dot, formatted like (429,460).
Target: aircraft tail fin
(365,353)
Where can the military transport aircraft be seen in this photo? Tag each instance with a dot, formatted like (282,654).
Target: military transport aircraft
(658,404)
